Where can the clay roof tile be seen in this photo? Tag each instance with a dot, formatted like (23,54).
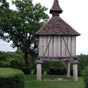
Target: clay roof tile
(56,26)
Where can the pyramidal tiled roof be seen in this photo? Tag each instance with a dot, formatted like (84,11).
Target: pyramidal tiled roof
(56,25)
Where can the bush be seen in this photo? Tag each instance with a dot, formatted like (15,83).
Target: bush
(83,62)
(85,75)
(26,70)
(11,78)
(55,68)
(11,59)
(15,60)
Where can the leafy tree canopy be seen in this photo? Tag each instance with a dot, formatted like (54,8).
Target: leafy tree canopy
(21,24)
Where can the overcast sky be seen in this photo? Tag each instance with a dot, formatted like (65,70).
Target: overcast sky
(75,13)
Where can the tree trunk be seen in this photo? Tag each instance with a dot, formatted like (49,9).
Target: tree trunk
(26,61)
(26,68)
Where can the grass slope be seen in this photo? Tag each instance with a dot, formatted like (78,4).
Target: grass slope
(30,82)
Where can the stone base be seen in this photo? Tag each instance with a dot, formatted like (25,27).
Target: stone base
(75,70)
(39,70)
(68,70)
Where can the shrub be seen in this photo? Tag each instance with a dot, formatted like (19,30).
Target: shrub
(11,59)
(85,75)
(15,60)
(83,62)
(55,68)
(11,78)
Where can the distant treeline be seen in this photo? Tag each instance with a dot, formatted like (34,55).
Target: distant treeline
(15,60)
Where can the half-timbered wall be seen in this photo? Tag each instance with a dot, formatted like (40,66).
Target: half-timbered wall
(64,46)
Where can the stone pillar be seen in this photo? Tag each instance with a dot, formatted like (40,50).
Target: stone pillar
(68,69)
(39,70)
(75,70)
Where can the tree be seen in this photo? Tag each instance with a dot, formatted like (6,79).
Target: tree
(4,8)
(21,24)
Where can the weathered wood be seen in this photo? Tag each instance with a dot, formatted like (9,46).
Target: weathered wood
(55,47)
(40,46)
(47,51)
(73,46)
(50,47)
(54,59)
(63,46)
(58,47)
(66,46)
(57,59)
(69,51)
(44,46)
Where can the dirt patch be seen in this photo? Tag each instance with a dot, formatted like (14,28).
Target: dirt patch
(55,79)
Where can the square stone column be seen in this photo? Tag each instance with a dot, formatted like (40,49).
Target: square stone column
(39,70)
(68,69)
(75,70)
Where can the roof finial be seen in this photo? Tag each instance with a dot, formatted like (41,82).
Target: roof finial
(55,10)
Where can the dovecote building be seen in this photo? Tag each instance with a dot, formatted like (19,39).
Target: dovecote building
(57,42)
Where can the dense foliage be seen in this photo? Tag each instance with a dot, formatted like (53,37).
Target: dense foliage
(85,75)
(20,25)
(11,59)
(83,62)
(15,60)
(55,68)
(11,78)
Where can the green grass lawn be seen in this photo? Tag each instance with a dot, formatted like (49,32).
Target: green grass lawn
(30,82)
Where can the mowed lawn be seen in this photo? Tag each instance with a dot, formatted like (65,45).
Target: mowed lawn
(30,82)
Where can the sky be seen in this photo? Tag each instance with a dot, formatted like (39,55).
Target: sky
(75,13)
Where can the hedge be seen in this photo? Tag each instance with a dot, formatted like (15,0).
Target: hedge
(85,76)
(11,78)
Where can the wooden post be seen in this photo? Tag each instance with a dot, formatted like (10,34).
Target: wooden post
(68,69)
(39,70)
(75,70)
